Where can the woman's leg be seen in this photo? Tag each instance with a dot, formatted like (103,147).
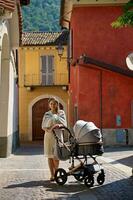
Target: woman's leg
(51,166)
(56,164)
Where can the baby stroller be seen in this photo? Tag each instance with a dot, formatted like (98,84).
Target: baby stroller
(81,146)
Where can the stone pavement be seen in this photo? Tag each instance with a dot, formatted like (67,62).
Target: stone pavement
(24,176)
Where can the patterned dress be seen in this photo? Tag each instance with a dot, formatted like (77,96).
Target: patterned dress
(50,119)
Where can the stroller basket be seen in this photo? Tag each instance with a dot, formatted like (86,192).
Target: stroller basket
(90,149)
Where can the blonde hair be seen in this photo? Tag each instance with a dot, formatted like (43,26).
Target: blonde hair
(53,99)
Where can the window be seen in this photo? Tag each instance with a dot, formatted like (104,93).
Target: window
(47,69)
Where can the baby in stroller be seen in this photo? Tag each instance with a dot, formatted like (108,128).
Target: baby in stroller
(83,144)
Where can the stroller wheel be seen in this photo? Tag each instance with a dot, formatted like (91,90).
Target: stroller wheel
(101,177)
(89,181)
(60,176)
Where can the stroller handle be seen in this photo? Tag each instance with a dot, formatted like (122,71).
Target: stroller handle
(62,128)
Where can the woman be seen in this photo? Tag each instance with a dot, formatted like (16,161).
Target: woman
(52,119)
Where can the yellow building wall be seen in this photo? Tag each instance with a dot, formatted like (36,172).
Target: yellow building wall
(29,64)
(25,99)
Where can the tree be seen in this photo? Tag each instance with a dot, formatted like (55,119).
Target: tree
(41,15)
(126,19)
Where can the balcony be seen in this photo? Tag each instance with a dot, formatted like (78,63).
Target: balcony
(59,79)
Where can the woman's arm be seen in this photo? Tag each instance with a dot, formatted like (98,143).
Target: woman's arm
(47,121)
(62,118)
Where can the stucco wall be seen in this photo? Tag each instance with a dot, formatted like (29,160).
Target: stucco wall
(102,96)
(8,93)
(30,63)
(117,100)
(25,110)
(94,36)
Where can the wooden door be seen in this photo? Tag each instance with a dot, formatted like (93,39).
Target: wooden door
(38,111)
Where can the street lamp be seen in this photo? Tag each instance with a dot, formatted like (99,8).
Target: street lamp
(70,59)
(60,50)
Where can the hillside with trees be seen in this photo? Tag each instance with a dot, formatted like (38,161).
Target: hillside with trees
(41,15)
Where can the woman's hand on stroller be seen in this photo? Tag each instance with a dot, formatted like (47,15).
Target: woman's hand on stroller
(56,126)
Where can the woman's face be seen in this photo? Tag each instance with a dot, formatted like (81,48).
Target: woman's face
(53,105)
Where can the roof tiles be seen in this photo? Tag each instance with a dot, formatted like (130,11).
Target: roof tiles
(44,38)
(8,4)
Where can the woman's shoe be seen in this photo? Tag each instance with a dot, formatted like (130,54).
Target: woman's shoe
(52,179)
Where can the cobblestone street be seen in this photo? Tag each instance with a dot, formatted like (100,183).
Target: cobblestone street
(25,176)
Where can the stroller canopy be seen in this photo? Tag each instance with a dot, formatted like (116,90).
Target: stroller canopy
(86,132)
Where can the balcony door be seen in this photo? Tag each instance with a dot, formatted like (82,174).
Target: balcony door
(47,69)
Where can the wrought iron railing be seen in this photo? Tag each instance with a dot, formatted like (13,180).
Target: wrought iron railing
(32,80)
(36,80)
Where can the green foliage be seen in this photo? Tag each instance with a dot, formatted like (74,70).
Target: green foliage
(41,15)
(127,18)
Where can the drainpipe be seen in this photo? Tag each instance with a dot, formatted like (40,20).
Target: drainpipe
(101,108)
